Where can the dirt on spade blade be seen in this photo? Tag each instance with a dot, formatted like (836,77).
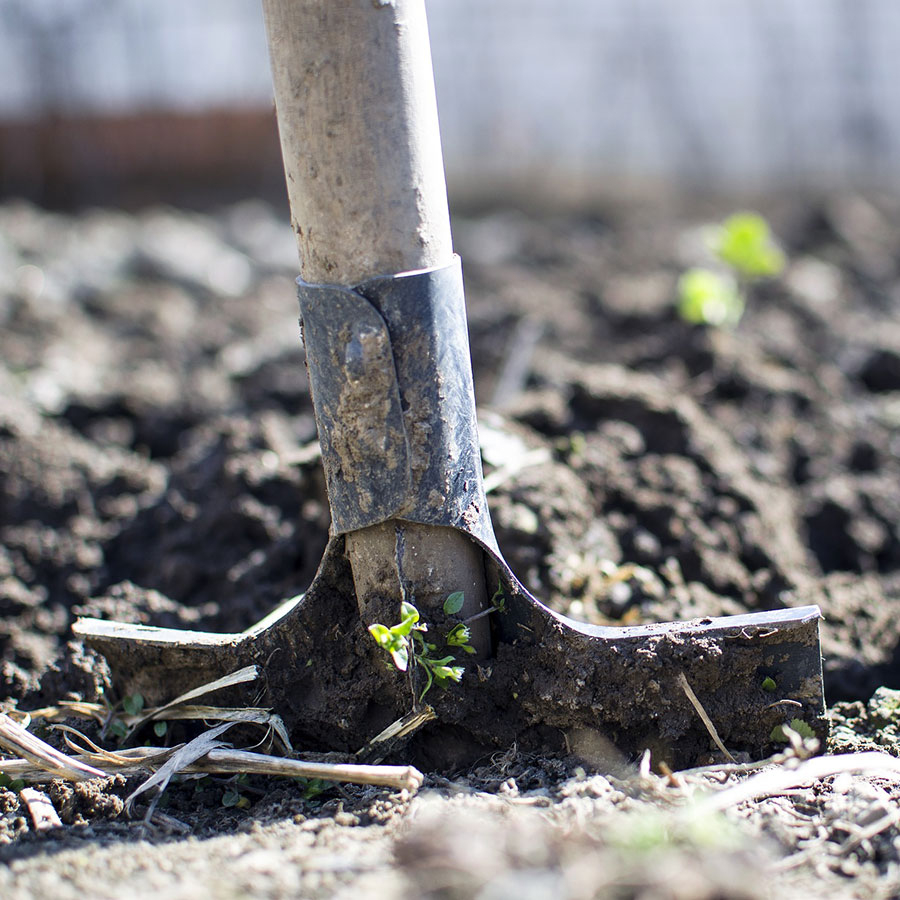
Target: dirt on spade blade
(158,465)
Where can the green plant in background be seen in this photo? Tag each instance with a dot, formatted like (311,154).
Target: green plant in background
(233,796)
(313,787)
(407,646)
(709,298)
(133,706)
(744,246)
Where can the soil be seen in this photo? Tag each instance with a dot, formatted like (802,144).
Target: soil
(158,465)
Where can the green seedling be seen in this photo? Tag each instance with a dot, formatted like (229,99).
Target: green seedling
(233,796)
(313,787)
(798,725)
(744,246)
(133,704)
(744,242)
(709,298)
(160,728)
(11,784)
(769,684)
(408,647)
(118,729)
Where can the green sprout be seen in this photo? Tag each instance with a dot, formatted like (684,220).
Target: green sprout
(744,245)
(407,646)
(11,784)
(798,725)
(233,796)
(708,298)
(768,684)
(133,704)
(118,729)
(313,787)
(744,242)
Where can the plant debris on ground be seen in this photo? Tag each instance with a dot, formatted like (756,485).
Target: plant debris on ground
(158,464)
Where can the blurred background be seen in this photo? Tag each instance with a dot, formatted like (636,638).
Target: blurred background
(130,101)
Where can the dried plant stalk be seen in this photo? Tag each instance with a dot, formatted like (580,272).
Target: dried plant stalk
(143,760)
(16,739)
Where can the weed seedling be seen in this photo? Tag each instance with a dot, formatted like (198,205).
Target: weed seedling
(803,729)
(408,647)
(313,787)
(233,796)
(746,251)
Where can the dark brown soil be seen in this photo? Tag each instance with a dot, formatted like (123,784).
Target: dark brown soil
(158,465)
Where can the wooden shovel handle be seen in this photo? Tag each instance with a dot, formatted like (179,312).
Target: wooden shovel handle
(354,92)
(357,116)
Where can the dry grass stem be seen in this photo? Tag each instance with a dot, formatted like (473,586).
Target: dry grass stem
(782,779)
(15,739)
(65,709)
(42,812)
(251,715)
(142,760)
(248,673)
(688,690)
(228,761)
(385,741)
(181,758)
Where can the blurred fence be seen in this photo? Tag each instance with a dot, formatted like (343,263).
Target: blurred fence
(740,93)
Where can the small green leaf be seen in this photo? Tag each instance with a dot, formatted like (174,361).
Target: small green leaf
(454,603)
(160,728)
(133,704)
(445,661)
(744,242)
(243,803)
(801,727)
(400,656)
(312,787)
(707,298)
(381,634)
(5,780)
(118,728)
(409,617)
(231,798)
(16,785)
(769,684)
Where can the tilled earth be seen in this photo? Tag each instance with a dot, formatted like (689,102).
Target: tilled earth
(158,465)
